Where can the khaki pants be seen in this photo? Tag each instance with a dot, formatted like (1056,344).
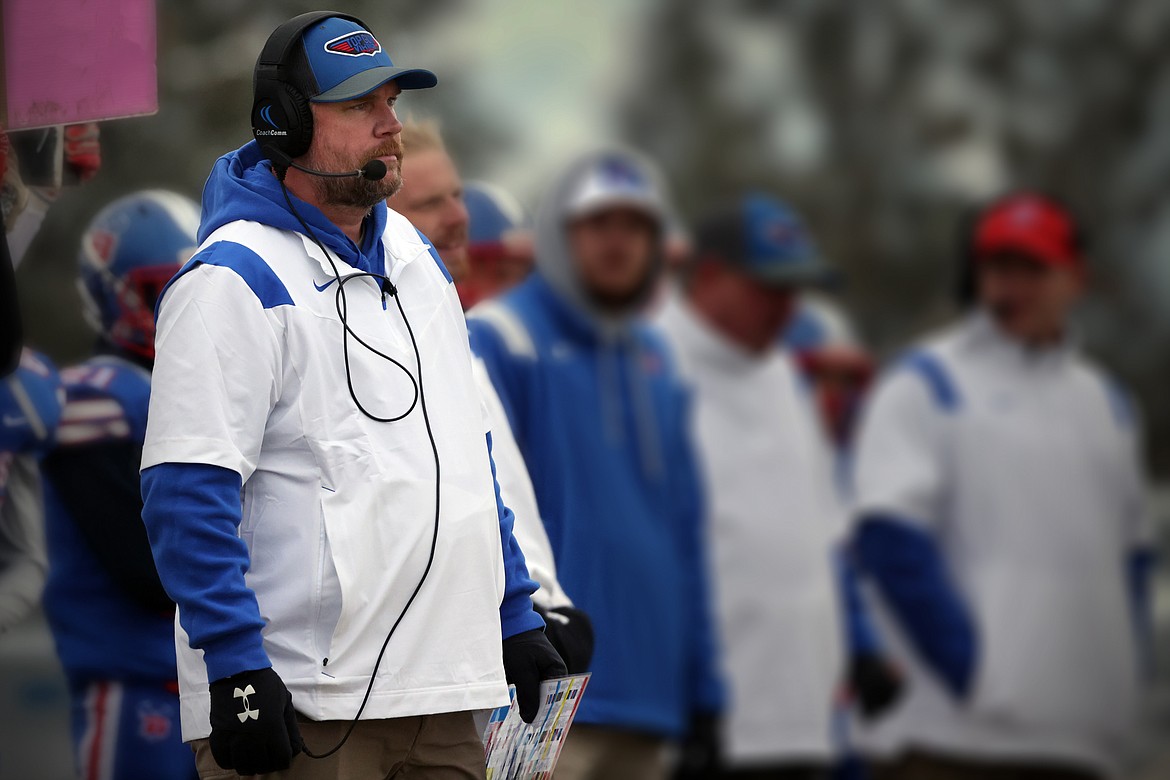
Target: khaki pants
(925,765)
(599,753)
(435,747)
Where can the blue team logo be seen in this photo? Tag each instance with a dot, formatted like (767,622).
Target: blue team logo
(620,174)
(354,44)
(778,234)
(154,721)
(1024,214)
(102,244)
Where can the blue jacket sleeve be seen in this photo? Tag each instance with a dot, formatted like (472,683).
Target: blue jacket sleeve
(516,612)
(1140,569)
(192,516)
(709,694)
(860,631)
(912,576)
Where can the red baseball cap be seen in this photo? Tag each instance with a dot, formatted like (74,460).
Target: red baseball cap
(1031,225)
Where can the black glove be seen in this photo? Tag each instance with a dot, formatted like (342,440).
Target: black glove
(253,724)
(876,684)
(571,632)
(529,658)
(701,753)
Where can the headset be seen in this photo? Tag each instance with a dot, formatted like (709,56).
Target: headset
(280,104)
(282,117)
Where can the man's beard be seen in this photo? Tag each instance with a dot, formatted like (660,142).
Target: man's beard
(355,191)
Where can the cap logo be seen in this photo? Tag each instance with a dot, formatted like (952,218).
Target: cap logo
(354,44)
(1024,214)
(619,173)
(778,233)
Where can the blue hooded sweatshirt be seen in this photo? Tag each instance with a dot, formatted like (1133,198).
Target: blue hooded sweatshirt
(601,420)
(192,511)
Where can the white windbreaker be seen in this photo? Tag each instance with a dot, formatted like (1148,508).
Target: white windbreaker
(1024,466)
(338,508)
(775,523)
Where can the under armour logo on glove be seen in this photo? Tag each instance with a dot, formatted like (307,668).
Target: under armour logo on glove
(263,737)
(248,711)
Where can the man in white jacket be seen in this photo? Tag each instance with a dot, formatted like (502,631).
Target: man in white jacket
(1000,515)
(317,476)
(775,518)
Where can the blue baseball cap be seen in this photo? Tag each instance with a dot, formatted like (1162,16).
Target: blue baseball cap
(765,239)
(346,61)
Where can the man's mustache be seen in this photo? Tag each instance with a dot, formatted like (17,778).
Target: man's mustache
(386,151)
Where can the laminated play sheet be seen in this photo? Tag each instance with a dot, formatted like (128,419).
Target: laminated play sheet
(516,750)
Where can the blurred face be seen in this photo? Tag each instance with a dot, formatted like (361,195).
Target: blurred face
(348,135)
(431,197)
(749,312)
(614,254)
(1029,300)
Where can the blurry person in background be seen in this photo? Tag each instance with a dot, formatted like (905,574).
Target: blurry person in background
(30,391)
(30,408)
(499,251)
(431,197)
(775,518)
(1001,516)
(40,163)
(11,327)
(601,420)
(112,622)
(74,156)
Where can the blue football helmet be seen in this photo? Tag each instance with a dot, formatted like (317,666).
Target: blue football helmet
(129,252)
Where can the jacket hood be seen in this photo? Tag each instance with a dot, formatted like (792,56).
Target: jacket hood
(612,176)
(242,186)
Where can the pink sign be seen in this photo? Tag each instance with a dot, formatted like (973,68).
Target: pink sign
(69,61)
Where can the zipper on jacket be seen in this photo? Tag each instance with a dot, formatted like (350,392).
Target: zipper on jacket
(319,586)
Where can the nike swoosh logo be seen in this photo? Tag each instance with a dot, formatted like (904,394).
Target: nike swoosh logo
(323,287)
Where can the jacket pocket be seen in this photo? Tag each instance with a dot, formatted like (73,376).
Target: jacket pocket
(327,598)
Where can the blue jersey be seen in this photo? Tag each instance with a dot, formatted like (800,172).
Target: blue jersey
(107,612)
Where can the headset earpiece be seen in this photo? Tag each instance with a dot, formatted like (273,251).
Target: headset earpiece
(282,119)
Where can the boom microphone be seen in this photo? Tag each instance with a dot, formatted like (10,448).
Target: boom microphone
(374,170)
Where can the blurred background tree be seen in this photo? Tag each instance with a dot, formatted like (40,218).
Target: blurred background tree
(884,121)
